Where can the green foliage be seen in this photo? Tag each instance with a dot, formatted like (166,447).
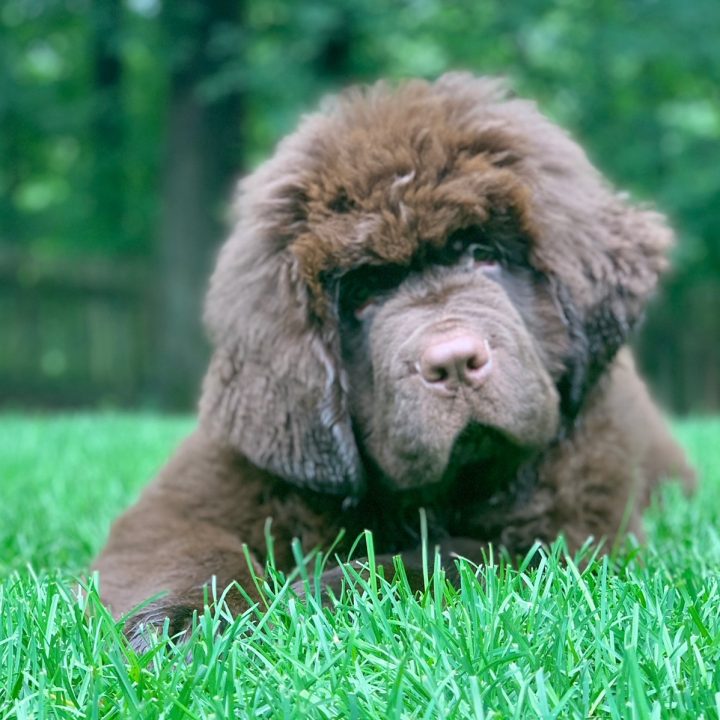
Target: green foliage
(636,80)
(634,636)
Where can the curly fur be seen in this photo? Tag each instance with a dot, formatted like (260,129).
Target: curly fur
(384,176)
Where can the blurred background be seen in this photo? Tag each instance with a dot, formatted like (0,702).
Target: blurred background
(124,123)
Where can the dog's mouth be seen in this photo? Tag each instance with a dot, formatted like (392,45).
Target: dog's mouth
(478,443)
(482,462)
(483,459)
(486,474)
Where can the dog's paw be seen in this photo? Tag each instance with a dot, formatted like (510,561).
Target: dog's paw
(146,627)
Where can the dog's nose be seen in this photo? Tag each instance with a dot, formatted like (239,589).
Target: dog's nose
(447,362)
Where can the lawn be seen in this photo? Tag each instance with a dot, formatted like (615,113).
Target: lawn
(638,636)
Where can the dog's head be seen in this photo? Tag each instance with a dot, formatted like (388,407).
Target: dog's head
(417,279)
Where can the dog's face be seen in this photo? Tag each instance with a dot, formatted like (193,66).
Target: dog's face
(452,361)
(420,280)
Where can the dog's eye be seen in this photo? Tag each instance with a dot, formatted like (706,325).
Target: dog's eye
(363,288)
(481,255)
(357,298)
(470,247)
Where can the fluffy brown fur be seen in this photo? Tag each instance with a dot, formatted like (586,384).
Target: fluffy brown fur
(320,413)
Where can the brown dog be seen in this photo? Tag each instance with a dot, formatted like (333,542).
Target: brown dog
(424,302)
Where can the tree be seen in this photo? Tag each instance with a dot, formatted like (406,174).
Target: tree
(108,121)
(202,153)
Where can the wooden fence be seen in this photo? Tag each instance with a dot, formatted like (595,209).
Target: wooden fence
(73,333)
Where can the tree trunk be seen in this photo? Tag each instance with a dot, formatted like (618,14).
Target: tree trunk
(201,157)
(108,127)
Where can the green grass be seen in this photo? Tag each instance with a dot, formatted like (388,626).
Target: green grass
(636,637)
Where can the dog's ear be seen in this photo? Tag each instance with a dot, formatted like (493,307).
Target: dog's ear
(632,253)
(275,388)
(620,253)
